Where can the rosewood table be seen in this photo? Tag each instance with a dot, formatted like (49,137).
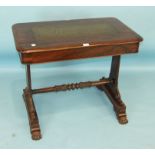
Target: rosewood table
(40,42)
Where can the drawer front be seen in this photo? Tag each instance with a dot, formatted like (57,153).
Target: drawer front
(78,53)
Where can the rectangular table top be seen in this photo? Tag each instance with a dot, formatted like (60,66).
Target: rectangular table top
(69,34)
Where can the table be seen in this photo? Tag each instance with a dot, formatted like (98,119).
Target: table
(42,42)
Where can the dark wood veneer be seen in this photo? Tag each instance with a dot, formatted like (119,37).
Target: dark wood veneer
(42,42)
(78,53)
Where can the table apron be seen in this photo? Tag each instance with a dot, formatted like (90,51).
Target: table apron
(78,53)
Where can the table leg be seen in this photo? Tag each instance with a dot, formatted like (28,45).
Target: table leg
(31,111)
(112,91)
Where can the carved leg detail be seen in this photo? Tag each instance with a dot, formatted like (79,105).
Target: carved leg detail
(111,90)
(114,96)
(119,107)
(32,114)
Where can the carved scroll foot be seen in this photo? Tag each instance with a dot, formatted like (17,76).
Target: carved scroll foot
(32,115)
(119,107)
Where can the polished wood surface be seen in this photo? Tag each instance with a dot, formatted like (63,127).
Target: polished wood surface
(58,35)
(39,42)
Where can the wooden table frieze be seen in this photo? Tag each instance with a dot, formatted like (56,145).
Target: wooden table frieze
(42,42)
